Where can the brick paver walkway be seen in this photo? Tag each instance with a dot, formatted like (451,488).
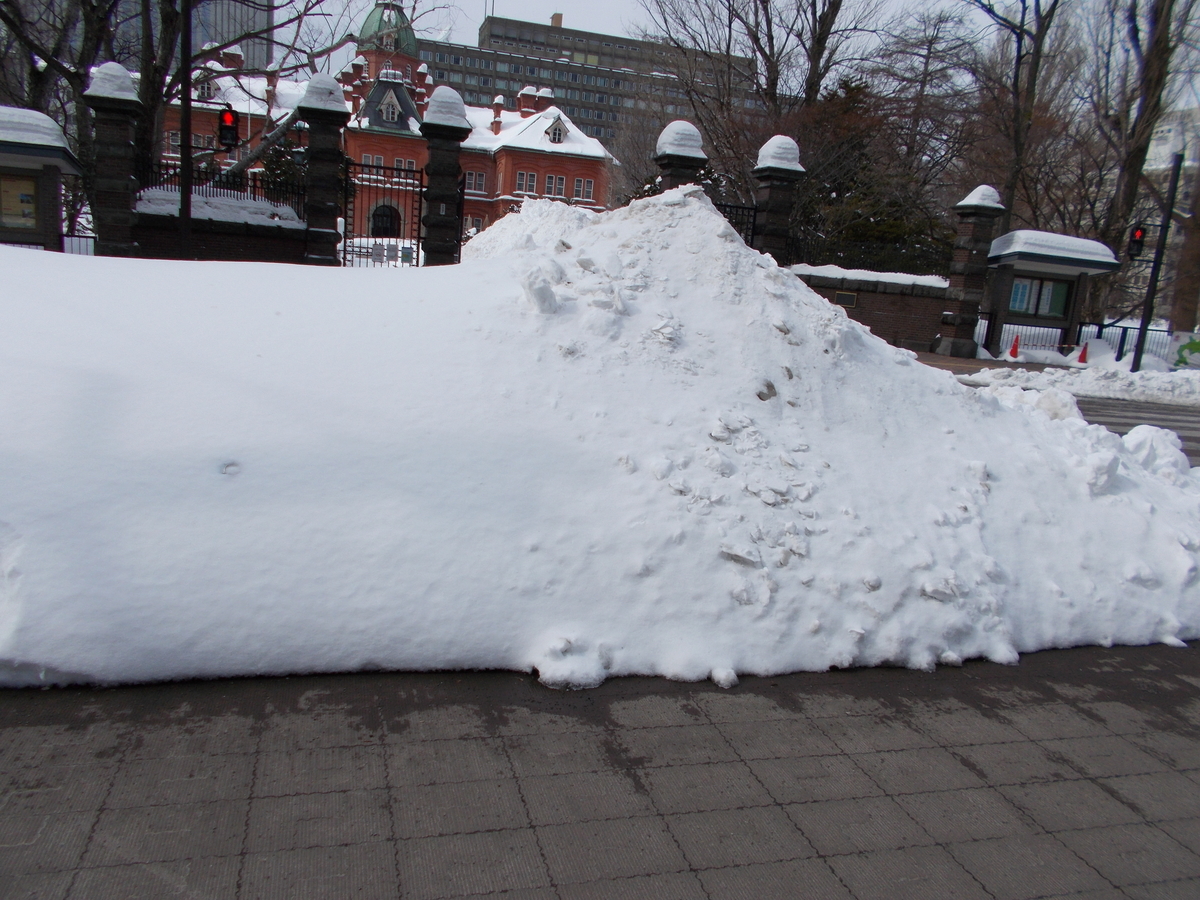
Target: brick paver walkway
(1076,774)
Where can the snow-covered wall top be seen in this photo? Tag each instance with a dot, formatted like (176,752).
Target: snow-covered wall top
(323,92)
(933,281)
(780,152)
(681,138)
(112,80)
(1045,243)
(27,126)
(984,195)
(446,107)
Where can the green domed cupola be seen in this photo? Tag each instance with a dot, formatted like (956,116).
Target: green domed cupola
(387,29)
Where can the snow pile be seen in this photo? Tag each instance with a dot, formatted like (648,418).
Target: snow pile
(985,195)
(682,138)
(28,126)
(233,208)
(323,92)
(1180,388)
(933,281)
(446,108)
(605,444)
(112,80)
(780,152)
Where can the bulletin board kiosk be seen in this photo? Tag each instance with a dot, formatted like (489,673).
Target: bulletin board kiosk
(1040,279)
(34,157)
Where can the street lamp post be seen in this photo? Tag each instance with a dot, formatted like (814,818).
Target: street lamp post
(1159,251)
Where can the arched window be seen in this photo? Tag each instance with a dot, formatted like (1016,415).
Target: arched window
(557,134)
(385,222)
(390,112)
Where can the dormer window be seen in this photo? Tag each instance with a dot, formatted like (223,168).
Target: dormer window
(557,133)
(389,43)
(205,90)
(389,109)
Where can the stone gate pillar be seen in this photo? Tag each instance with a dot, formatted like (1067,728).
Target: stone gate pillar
(777,174)
(977,214)
(323,108)
(116,110)
(445,128)
(680,154)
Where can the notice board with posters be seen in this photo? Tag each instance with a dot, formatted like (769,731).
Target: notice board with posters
(18,202)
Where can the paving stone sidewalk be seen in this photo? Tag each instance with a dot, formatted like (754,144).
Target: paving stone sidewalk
(1074,774)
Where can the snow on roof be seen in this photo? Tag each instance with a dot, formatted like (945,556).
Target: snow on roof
(323,92)
(1047,244)
(545,92)
(780,152)
(112,80)
(528,90)
(498,100)
(446,108)
(680,138)
(27,126)
(934,281)
(984,195)
(529,133)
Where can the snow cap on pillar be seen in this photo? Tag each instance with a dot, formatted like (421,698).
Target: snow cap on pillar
(324,92)
(985,196)
(780,152)
(446,107)
(112,80)
(681,138)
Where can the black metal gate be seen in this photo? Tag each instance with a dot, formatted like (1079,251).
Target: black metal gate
(742,218)
(381,207)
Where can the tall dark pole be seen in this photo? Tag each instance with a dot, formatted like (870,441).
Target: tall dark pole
(185,129)
(1159,251)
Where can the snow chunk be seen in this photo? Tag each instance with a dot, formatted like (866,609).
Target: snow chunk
(112,80)
(446,107)
(323,92)
(680,138)
(780,152)
(27,126)
(984,195)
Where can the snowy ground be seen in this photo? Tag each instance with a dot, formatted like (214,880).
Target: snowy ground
(1102,376)
(603,445)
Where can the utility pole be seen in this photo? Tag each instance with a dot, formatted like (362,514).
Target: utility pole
(1159,251)
(185,130)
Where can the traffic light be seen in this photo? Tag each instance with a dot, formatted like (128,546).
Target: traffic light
(1137,241)
(227,128)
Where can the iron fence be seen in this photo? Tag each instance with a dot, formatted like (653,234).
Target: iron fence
(381,208)
(1121,338)
(742,218)
(212,181)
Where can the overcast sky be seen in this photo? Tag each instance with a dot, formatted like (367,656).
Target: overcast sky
(620,17)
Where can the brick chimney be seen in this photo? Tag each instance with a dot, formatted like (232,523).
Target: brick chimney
(544,100)
(421,89)
(497,108)
(527,101)
(231,58)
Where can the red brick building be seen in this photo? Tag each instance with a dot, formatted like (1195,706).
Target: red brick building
(510,155)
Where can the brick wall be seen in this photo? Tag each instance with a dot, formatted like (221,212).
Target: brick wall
(157,237)
(905,315)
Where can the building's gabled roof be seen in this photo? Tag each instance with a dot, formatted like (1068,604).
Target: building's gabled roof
(386,90)
(530,133)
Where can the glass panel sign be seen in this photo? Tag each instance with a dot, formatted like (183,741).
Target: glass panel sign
(18,202)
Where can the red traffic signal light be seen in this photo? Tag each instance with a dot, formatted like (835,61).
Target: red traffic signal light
(1137,241)
(228,122)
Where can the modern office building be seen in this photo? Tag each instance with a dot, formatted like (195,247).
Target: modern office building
(606,83)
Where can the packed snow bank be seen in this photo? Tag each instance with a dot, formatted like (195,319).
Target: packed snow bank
(235,207)
(605,444)
(1102,376)
(933,281)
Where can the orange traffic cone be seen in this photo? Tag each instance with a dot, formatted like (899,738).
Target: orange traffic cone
(1083,354)
(1015,351)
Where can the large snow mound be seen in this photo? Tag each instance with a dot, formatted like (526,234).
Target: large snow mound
(605,444)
